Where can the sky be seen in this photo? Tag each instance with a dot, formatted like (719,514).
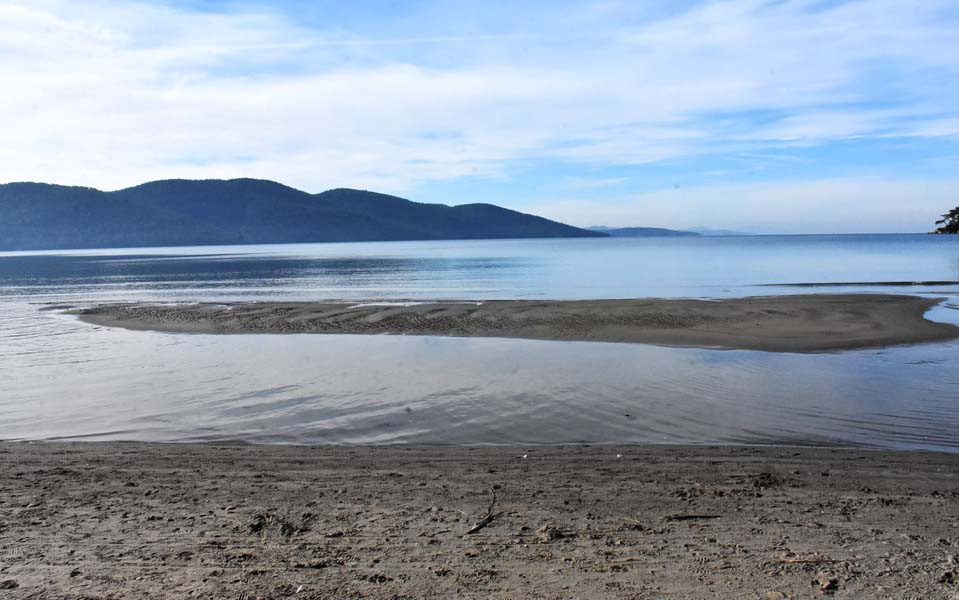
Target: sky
(775,116)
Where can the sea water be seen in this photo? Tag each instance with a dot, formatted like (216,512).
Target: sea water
(64,379)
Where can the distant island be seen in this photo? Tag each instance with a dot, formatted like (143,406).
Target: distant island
(642,232)
(661,232)
(710,232)
(177,212)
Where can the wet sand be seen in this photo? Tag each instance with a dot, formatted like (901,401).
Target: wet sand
(802,323)
(130,520)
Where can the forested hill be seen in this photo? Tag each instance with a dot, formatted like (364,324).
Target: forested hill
(37,216)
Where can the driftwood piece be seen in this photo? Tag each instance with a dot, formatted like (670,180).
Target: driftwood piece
(809,561)
(690,517)
(488,518)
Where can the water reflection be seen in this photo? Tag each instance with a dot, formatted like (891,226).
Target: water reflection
(583,268)
(64,379)
(115,272)
(103,384)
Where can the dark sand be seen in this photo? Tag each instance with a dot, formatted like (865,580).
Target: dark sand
(127,520)
(806,323)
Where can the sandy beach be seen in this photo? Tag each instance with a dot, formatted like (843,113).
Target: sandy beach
(802,323)
(130,520)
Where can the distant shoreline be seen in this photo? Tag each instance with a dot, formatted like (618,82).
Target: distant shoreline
(801,323)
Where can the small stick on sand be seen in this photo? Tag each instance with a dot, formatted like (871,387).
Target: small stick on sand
(486,520)
(435,533)
(809,561)
(619,561)
(690,517)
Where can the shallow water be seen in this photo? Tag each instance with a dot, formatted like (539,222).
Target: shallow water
(65,379)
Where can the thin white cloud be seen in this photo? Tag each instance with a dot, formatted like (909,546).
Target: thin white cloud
(580,183)
(115,93)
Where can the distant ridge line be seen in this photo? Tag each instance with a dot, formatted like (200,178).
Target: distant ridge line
(183,212)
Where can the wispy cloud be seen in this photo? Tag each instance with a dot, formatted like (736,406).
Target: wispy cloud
(114,93)
(586,183)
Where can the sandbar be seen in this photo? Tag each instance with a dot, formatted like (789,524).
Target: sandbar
(799,323)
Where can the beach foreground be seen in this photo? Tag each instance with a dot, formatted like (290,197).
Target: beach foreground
(132,520)
(806,323)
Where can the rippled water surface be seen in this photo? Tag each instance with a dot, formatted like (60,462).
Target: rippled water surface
(64,379)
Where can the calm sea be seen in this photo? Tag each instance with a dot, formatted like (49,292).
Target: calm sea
(62,379)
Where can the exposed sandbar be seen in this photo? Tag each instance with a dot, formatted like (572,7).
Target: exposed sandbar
(801,323)
(126,520)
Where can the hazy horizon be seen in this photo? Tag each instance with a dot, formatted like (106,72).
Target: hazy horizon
(795,116)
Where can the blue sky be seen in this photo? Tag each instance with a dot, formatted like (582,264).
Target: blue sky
(764,115)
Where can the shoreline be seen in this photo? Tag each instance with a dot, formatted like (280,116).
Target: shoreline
(800,323)
(128,519)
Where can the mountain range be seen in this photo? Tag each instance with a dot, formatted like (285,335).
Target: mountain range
(177,212)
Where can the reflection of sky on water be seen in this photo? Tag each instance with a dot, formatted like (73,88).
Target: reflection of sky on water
(232,274)
(62,378)
(585,268)
(946,311)
(77,380)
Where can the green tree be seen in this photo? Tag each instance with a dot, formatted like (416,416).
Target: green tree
(949,222)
